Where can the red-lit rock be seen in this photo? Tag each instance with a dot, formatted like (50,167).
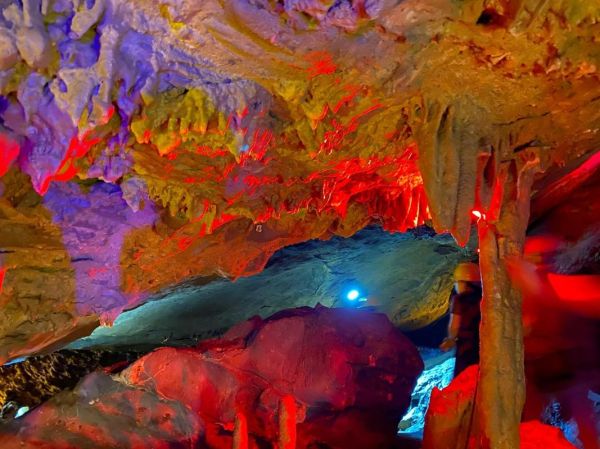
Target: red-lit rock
(105,413)
(342,377)
(449,418)
(450,422)
(535,435)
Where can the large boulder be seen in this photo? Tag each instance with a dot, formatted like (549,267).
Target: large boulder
(333,378)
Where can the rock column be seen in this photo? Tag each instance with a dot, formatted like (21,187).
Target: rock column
(501,388)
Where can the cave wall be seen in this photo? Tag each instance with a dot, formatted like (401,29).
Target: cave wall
(144,145)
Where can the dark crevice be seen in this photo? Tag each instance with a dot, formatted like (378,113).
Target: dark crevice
(491,17)
(35,380)
(444,119)
(524,146)
(489,171)
(81,259)
(520,119)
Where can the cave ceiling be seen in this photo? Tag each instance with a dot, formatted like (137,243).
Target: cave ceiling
(144,144)
(412,294)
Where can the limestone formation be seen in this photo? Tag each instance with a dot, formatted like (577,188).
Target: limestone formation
(145,144)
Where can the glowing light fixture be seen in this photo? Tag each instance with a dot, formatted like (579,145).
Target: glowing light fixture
(21,412)
(353,295)
(479,215)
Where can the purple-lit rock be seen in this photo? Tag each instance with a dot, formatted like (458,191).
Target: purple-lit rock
(135,193)
(47,130)
(79,54)
(94,226)
(111,165)
(9,54)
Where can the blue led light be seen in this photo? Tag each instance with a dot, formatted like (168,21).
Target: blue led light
(21,412)
(353,295)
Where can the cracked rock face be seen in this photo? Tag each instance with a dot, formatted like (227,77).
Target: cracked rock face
(144,145)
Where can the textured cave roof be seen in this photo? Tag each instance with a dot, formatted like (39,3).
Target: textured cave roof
(412,289)
(144,145)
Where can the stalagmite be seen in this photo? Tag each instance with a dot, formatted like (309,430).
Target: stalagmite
(240,432)
(450,414)
(287,423)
